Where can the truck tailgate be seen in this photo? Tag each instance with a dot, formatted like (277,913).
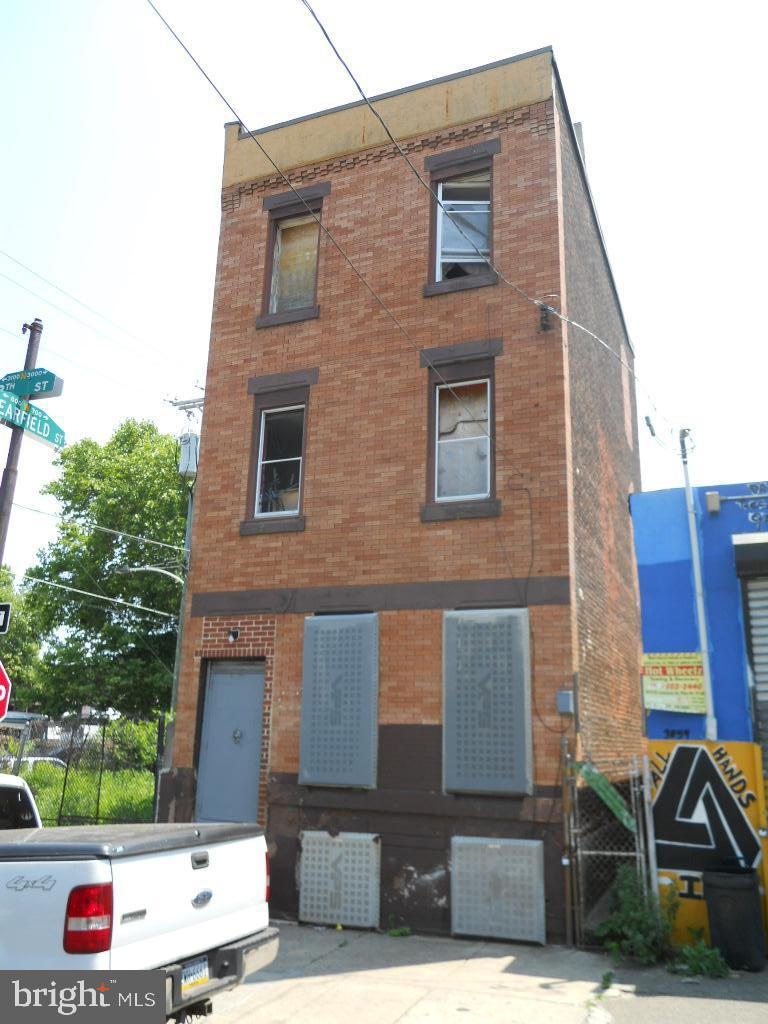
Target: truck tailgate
(33,903)
(170,905)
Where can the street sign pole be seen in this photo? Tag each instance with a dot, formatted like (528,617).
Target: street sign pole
(11,472)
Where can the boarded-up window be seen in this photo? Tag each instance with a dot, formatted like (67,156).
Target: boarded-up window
(339,704)
(487,719)
(294,264)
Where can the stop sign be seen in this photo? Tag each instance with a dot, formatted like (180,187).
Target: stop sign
(5,692)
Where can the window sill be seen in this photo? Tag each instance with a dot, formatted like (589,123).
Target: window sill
(461,284)
(290,316)
(287,524)
(444,511)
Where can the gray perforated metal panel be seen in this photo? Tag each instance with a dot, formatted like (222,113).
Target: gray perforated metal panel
(339,704)
(497,888)
(487,718)
(339,878)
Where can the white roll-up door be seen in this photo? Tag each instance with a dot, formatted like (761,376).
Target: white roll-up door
(757,601)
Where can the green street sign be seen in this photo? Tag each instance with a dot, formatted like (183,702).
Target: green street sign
(37,383)
(31,419)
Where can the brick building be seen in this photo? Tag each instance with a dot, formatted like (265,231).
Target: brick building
(411,546)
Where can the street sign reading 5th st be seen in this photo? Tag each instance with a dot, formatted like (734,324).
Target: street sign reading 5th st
(5,692)
(35,383)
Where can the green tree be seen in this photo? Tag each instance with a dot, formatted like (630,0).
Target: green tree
(97,653)
(20,646)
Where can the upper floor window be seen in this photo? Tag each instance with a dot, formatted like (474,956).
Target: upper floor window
(461,474)
(280,456)
(463,442)
(463,244)
(292,256)
(461,233)
(294,264)
(275,492)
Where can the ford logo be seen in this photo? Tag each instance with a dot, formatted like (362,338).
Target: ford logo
(202,898)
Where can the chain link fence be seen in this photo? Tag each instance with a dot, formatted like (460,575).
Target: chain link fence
(600,839)
(86,769)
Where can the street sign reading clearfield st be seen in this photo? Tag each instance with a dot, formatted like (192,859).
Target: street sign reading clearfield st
(5,616)
(5,692)
(32,420)
(37,383)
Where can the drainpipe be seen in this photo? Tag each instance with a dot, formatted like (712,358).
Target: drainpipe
(711,726)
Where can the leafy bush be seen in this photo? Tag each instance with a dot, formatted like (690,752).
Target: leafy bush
(133,744)
(699,958)
(639,927)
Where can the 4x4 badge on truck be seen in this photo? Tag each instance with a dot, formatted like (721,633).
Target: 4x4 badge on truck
(202,898)
(20,883)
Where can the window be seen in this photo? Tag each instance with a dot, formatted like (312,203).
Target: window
(461,236)
(291,263)
(276,478)
(461,478)
(463,226)
(463,444)
(280,455)
(294,264)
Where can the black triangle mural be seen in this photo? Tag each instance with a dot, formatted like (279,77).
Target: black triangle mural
(698,821)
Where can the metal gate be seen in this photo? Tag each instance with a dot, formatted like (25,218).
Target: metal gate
(598,841)
(757,604)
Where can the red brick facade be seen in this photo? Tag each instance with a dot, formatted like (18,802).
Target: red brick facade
(563,469)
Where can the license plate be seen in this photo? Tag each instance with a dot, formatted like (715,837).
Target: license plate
(193,975)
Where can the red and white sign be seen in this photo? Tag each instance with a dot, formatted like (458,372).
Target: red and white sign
(5,692)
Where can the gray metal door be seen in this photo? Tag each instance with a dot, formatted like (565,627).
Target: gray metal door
(230,745)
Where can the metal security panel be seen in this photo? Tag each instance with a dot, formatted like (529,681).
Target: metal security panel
(487,744)
(497,888)
(339,879)
(339,704)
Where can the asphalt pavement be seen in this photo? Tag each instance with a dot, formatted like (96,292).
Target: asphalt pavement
(323,975)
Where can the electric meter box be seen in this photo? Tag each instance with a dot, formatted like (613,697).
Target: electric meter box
(189,448)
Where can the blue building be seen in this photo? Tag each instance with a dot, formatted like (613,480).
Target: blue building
(732,525)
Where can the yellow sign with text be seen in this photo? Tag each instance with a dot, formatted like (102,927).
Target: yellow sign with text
(708,812)
(674,682)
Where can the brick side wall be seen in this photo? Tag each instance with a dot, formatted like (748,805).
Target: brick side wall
(605,470)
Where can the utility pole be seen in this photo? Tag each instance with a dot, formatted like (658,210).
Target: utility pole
(701,615)
(11,472)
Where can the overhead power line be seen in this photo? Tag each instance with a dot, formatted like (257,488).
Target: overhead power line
(102,529)
(539,303)
(74,298)
(99,597)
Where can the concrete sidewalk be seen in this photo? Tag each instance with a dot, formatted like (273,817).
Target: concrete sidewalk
(366,978)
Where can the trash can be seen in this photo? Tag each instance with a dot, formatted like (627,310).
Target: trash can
(735,917)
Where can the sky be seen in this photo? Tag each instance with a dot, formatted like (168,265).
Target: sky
(111,147)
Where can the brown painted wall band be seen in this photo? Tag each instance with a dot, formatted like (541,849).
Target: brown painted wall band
(454,594)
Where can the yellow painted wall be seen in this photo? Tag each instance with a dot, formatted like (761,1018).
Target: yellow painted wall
(740,765)
(414,112)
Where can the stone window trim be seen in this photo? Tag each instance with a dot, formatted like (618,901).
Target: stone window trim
(274,391)
(280,208)
(441,167)
(455,364)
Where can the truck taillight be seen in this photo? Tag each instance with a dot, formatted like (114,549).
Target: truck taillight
(88,924)
(266,892)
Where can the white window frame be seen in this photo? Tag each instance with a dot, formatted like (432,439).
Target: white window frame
(486,436)
(473,257)
(262,462)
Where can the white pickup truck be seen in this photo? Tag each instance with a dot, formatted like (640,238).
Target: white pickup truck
(190,900)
